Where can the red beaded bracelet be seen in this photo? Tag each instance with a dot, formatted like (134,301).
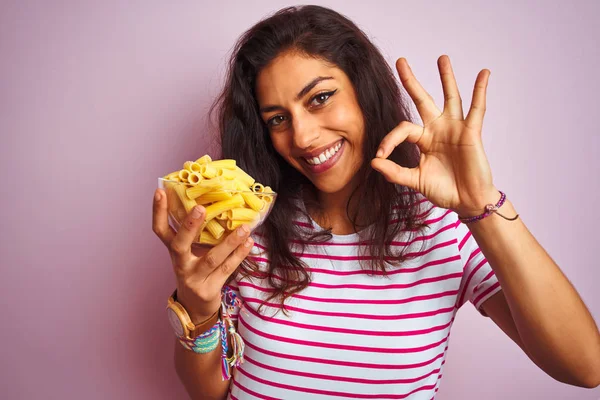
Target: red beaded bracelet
(489,209)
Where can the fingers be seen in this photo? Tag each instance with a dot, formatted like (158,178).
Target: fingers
(188,232)
(452,100)
(160,222)
(231,263)
(394,173)
(424,102)
(217,256)
(404,131)
(477,111)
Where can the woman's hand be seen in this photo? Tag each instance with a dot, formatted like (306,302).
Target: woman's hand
(453,172)
(200,273)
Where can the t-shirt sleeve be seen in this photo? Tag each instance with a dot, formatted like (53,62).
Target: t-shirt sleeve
(479,281)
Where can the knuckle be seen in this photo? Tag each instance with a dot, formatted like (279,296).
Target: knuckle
(235,260)
(177,248)
(226,266)
(189,224)
(211,260)
(404,124)
(419,101)
(159,231)
(235,238)
(180,274)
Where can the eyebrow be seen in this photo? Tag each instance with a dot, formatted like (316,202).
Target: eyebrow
(300,94)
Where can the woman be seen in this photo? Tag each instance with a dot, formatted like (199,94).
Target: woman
(382,229)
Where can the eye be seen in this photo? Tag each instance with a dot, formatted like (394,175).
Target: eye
(276,120)
(321,98)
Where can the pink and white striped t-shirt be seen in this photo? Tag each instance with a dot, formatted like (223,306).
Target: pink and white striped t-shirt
(349,335)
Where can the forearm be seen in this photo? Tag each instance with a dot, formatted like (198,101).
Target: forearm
(553,323)
(201,373)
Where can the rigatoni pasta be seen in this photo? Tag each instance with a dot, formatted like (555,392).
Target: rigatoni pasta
(230,196)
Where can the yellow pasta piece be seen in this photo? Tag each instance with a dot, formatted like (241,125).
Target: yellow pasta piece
(243,177)
(222,216)
(230,184)
(183,175)
(215,229)
(219,207)
(225,164)
(208,171)
(268,199)
(242,214)
(232,224)
(213,196)
(206,238)
(205,159)
(188,203)
(204,186)
(267,195)
(191,166)
(195,178)
(226,173)
(258,188)
(172,176)
(253,201)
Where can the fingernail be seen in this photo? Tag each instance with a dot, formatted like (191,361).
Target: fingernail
(157,196)
(248,242)
(242,230)
(196,213)
(380,153)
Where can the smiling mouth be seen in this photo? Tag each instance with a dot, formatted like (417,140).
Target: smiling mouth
(325,155)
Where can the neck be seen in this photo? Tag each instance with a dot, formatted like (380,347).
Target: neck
(332,209)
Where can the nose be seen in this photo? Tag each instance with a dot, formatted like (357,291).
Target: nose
(305,132)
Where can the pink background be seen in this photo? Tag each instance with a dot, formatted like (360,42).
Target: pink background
(98,98)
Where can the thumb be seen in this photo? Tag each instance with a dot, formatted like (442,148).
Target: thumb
(394,173)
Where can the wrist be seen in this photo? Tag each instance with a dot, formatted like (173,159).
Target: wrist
(199,313)
(477,206)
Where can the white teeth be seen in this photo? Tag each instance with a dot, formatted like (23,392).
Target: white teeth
(324,156)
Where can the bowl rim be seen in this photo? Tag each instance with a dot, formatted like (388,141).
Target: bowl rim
(272,194)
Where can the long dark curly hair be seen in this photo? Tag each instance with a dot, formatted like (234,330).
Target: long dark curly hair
(327,35)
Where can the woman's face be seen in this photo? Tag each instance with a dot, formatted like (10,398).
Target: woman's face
(314,119)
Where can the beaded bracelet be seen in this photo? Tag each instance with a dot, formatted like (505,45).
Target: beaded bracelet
(489,209)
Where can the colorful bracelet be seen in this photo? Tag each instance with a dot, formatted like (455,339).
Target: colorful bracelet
(489,209)
(228,302)
(203,343)
(209,340)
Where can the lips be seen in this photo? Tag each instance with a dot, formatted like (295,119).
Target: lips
(328,163)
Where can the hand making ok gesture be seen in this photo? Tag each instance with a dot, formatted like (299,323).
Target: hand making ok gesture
(453,172)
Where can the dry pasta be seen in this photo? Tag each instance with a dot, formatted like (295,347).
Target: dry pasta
(230,196)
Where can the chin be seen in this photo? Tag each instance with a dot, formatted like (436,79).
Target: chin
(330,186)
